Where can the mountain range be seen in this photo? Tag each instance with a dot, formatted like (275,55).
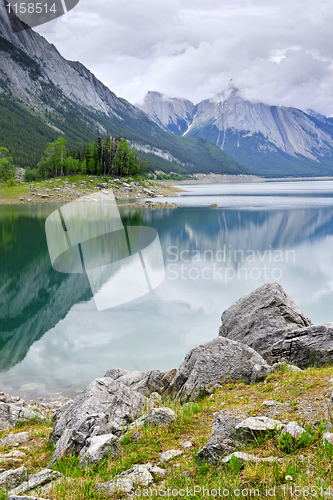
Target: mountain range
(269,140)
(43,95)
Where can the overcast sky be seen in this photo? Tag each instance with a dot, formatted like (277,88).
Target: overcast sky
(277,52)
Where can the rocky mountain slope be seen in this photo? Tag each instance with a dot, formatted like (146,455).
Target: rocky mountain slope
(42,95)
(269,140)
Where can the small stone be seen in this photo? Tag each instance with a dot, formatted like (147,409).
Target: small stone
(282,366)
(12,454)
(13,477)
(246,457)
(136,436)
(187,444)
(328,436)
(42,477)
(123,485)
(148,192)
(157,471)
(293,429)
(156,417)
(253,427)
(138,475)
(168,455)
(99,447)
(19,437)
(186,473)
(154,400)
(15,497)
(272,403)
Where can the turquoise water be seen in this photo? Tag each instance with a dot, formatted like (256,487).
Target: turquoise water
(54,341)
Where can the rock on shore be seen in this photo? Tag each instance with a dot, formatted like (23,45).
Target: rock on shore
(306,346)
(143,382)
(220,359)
(104,407)
(267,319)
(262,318)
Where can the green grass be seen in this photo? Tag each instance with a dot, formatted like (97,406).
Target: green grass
(304,459)
(19,189)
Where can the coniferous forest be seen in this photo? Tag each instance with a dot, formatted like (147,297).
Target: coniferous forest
(111,156)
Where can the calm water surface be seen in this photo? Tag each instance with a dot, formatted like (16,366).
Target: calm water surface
(53,341)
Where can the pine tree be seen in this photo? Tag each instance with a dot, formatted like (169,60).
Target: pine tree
(7,169)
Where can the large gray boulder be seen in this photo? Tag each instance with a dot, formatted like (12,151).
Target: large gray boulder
(311,346)
(143,382)
(106,406)
(224,439)
(262,318)
(219,360)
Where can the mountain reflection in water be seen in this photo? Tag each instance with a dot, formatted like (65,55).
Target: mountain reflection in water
(53,339)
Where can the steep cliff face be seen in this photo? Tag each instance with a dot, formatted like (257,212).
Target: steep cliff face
(67,98)
(73,79)
(268,139)
(174,115)
(289,129)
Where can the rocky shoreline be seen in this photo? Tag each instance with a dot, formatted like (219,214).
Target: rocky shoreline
(64,190)
(264,337)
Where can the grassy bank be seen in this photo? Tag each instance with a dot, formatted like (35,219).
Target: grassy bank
(71,187)
(308,463)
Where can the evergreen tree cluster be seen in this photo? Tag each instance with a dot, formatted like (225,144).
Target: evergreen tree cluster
(111,156)
(7,169)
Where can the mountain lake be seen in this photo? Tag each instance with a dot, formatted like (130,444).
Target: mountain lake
(54,341)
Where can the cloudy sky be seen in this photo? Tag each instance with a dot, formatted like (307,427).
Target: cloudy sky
(277,52)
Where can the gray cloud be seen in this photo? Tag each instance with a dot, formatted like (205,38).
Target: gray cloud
(279,53)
